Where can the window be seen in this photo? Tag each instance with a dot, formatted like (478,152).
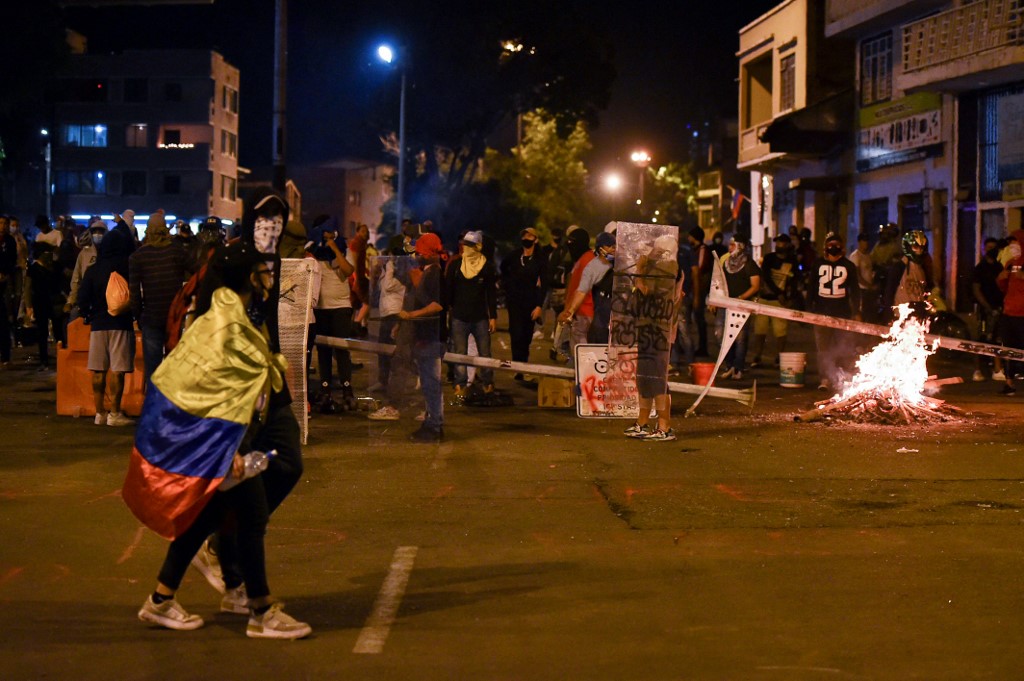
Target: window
(911,207)
(787,83)
(90,135)
(227,188)
(228,143)
(136,90)
(172,184)
(229,99)
(172,137)
(172,92)
(873,214)
(136,135)
(876,69)
(80,182)
(133,183)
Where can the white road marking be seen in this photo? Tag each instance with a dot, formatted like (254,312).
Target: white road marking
(378,624)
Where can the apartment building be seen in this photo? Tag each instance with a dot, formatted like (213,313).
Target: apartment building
(147,129)
(795,89)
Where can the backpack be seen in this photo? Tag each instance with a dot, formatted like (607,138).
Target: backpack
(117,295)
(559,267)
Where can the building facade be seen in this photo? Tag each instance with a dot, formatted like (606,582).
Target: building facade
(147,130)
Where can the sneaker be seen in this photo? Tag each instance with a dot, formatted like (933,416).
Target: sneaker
(426,434)
(384,414)
(100,419)
(638,431)
(517,377)
(276,623)
(235,601)
(756,363)
(659,435)
(1008,390)
(998,376)
(206,562)
(823,385)
(727,373)
(169,614)
(737,375)
(978,377)
(422,416)
(117,418)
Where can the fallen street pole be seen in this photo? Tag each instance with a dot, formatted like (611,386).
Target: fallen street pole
(945,342)
(745,397)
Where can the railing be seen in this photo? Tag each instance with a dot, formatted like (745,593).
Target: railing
(962,32)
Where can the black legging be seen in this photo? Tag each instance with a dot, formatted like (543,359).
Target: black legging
(244,508)
(336,322)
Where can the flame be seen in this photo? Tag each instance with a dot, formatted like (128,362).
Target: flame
(896,367)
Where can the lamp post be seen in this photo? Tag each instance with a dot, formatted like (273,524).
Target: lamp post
(387,55)
(49,166)
(641,159)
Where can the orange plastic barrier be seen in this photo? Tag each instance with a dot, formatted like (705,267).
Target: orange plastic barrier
(74,380)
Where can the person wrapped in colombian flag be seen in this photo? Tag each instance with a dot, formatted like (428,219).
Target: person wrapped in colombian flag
(201,408)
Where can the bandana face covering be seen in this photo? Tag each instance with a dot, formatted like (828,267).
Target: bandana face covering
(267,232)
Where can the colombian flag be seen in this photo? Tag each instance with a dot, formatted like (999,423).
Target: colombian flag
(198,406)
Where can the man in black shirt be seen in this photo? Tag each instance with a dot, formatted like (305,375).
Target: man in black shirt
(424,308)
(471,292)
(832,290)
(990,303)
(524,280)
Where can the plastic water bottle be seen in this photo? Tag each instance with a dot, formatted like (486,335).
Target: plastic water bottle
(255,463)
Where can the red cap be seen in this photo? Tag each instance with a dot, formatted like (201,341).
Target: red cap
(429,245)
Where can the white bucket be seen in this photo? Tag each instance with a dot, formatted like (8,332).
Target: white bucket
(791,369)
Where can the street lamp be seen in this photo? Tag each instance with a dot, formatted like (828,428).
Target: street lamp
(387,55)
(641,159)
(49,166)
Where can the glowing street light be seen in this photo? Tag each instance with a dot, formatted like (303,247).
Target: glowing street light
(613,182)
(387,55)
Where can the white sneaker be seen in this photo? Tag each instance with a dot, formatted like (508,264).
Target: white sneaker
(169,614)
(117,418)
(999,376)
(384,414)
(100,419)
(276,623)
(422,416)
(206,562)
(235,601)
(978,377)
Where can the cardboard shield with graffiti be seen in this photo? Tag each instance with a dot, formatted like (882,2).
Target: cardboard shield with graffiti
(645,303)
(606,390)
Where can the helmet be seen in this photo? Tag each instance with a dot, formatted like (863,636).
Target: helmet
(913,238)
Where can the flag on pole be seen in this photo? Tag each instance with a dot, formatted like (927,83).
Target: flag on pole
(198,406)
(737,202)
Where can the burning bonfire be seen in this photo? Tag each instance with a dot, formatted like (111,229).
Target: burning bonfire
(890,383)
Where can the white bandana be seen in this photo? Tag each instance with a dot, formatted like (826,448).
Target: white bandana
(267,232)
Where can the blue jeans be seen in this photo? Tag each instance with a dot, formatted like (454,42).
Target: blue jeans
(460,342)
(427,355)
(153,339)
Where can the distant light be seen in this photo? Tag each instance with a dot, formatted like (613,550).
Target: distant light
(612,182)
(640,158)
(99,174)
(44,132)
(638,202)
(100,129)
(386,54)
(694,133)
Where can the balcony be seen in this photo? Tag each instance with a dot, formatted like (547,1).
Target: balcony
(976,45)
(709,184)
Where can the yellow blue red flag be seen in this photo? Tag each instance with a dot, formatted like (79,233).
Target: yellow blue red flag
(198,406)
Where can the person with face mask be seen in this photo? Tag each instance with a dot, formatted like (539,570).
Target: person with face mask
(778,284)
(832,290)
(743,281)
(909,279)
(588,310)
(424,309)
(1011,284)
(90,244)
(700,273)
(333,314)
(524,280)
(471,293)
(989,299)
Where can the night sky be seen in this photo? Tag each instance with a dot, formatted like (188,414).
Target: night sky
(675,60)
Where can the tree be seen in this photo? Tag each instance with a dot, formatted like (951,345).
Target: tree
(472,67)
(545,175)
(670,192)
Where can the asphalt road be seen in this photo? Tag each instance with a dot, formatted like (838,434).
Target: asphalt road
(535,545)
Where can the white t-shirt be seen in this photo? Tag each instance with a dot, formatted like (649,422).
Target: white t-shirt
(334,291)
